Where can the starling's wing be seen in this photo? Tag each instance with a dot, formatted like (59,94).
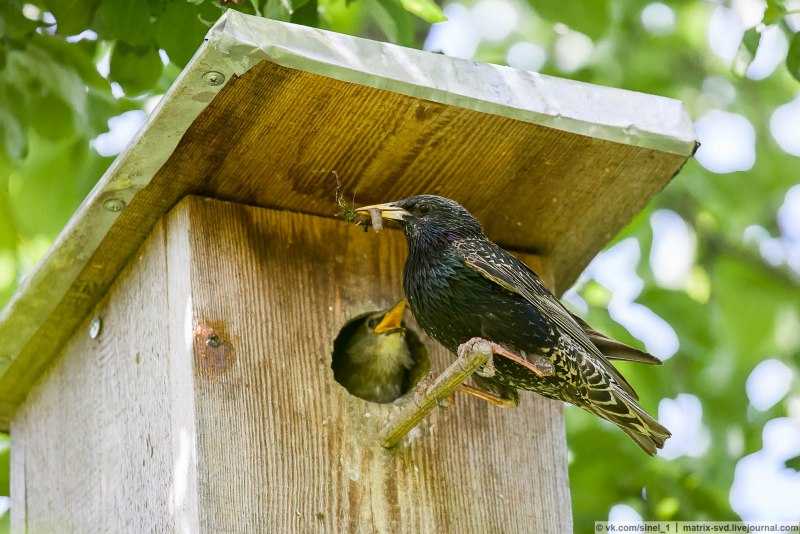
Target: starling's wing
(613,349)
(502,268)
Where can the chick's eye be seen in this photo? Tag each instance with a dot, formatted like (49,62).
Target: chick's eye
(372,323)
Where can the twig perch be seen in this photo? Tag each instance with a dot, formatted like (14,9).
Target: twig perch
(413,412)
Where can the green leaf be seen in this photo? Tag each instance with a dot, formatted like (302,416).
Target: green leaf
(745,299)
(9,237)
(774,11)
(392,19)
(15,25)
(126,21)
(278,10)
(12,23)
(751,40)
(307,14)
(5,464)
(72,16)
(47,73)
(135,68)
(298,11)
(747,51)
(793,57)
(72,56)
(13,138)
(47,187)
(51,116)
(793,463)
(427,10)
(590,17)
(102,106)
(180,30)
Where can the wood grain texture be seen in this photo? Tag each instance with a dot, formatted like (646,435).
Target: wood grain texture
(281,444)
(91,444)
(272,137)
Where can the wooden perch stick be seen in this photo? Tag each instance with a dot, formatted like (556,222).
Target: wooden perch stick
(415,410)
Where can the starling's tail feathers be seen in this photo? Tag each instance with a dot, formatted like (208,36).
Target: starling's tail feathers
(613,349)
(619,408)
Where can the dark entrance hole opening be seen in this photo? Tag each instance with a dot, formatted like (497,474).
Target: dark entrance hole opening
(376,363)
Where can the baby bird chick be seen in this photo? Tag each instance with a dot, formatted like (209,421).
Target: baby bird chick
(377,359)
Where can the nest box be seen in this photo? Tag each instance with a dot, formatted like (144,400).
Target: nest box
(167,367)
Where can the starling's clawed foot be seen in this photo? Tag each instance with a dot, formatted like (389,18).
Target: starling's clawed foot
(539,365)
(488,370)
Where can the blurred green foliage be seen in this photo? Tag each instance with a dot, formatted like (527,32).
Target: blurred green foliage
(736,312)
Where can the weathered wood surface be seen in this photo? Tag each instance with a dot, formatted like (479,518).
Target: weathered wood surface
(91,446)
(231,420)
(535,188)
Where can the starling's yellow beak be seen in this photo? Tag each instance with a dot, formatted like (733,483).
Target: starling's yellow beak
(393,319)
(388,211)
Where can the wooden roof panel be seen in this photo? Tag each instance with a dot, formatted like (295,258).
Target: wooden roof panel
(274,136)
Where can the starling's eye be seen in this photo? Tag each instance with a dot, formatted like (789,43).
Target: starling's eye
(372,323)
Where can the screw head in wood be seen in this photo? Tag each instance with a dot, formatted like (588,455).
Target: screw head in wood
(114,204)
(214,349)
(94,327)
(214,78)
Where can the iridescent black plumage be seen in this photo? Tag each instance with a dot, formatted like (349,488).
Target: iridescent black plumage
(460,285)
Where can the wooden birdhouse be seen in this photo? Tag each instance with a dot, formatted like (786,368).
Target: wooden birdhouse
(168,365)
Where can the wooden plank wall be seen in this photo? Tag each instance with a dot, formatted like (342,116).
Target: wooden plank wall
(91,445)
(152,428)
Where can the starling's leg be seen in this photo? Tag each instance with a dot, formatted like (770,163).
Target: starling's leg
(497,400)
(493,391)
(539,365)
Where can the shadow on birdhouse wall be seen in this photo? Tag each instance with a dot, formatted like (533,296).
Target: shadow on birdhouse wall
(376,362)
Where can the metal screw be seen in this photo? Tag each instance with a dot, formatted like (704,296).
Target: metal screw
(114,204)
(213,77)
(213,341)
(94,327)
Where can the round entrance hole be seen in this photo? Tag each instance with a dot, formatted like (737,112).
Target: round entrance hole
(377,358)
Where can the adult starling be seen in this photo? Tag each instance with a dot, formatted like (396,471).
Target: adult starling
(376,361)
(461,286)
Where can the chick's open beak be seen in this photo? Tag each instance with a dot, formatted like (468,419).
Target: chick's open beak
(393,319)
(388,211)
